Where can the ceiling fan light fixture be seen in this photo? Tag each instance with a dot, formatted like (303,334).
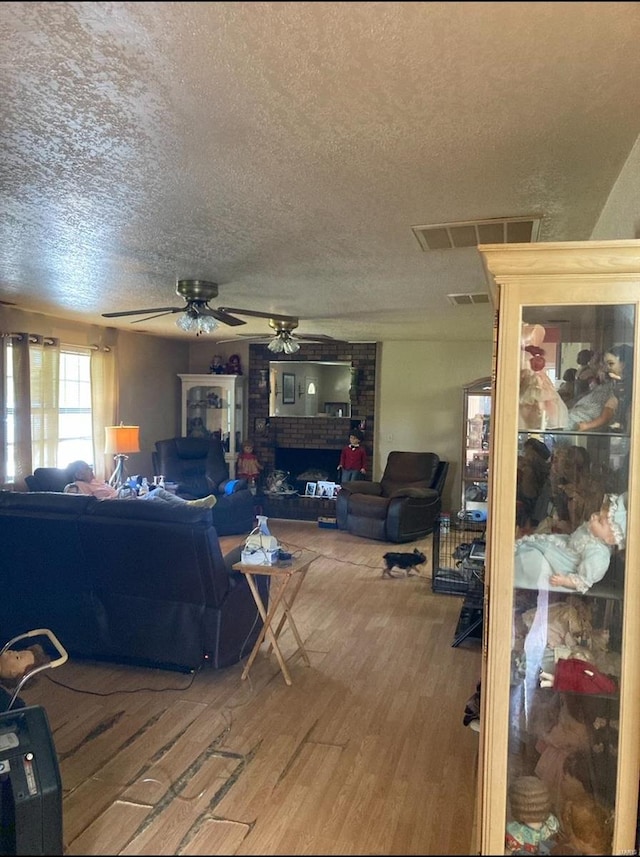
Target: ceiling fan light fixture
(283,342)
(192,322)
(276,345)
(290,346)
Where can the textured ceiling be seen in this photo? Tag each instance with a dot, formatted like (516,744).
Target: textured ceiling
(286,150)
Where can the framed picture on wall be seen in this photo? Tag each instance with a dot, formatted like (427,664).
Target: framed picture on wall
(288,388)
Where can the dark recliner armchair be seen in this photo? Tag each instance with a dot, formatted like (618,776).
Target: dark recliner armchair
(402,507)
(197,465)
(49,479)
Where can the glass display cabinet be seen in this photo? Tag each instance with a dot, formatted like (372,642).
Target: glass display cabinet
(214,405)
(476,412)
(559,756)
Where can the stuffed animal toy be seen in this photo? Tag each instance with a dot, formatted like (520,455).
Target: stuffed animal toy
(15,664)
(587,826)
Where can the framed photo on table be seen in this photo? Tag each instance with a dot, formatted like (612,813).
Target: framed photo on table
(325,489)
(288,388)
(310,489)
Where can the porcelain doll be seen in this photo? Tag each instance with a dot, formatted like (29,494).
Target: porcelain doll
(533,826)
(567,563)
(541,406)
(248,467)
(14,663)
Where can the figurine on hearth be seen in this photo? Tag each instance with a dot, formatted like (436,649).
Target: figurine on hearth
(233,365)
(217,365)
(533,825)
(541,406)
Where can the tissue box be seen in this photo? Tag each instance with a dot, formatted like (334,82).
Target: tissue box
(259,557)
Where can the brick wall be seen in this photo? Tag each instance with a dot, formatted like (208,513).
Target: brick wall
(312,432)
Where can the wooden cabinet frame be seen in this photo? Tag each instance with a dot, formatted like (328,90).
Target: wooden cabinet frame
(529,283)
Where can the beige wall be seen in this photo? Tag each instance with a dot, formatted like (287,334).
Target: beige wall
(420,401)
(620,217)
(150,390)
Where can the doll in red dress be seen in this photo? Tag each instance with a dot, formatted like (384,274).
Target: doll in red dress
(248,467)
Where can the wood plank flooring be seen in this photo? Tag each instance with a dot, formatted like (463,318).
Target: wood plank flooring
(365,754)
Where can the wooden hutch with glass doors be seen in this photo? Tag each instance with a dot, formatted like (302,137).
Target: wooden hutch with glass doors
(214,406)
(559,755)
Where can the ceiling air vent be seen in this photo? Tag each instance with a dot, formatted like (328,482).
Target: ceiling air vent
(468,299)
(470,233)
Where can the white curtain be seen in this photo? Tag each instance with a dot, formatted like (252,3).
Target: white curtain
(44,375)
(36,366)
(104,398)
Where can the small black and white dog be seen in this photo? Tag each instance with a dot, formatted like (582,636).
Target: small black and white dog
(406,561)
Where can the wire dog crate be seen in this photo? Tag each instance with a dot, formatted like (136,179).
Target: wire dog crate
(457,563)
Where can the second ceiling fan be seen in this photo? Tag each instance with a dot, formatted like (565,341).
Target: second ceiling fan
(196,314)
(283,339)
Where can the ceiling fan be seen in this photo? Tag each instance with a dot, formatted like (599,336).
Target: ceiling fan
(196,316)
(283,340)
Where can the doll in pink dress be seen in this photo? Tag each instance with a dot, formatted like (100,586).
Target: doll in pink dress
(541,406)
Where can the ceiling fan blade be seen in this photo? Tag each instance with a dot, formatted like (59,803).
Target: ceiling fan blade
(258,314)
(159,309)
(157,315)
(315,337)
(222,316)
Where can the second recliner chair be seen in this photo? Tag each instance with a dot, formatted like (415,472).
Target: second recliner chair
(402,507)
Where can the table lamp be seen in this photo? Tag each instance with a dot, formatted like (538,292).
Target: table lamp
(120,440)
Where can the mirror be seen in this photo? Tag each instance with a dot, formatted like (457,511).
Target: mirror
(309,389)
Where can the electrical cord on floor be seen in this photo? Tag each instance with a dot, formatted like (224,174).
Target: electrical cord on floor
(115,692)
(291,547)
(299,548)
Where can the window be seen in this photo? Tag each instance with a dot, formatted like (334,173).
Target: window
(64,412)
(75,435)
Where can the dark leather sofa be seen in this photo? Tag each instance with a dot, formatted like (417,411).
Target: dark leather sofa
(124,581)
(402,507)
(233,514)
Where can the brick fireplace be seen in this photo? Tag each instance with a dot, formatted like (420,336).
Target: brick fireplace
(299,444)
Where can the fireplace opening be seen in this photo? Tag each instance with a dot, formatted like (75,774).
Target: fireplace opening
(308,465)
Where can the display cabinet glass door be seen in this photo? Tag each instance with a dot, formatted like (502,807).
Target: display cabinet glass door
(207,412)
(213,406)
(560,747)
(475,454)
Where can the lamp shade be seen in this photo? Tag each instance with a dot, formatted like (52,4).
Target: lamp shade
(120,440)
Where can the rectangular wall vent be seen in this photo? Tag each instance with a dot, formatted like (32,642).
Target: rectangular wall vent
(451,236)
(468,299)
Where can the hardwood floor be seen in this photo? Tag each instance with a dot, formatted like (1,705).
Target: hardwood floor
(366,753)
